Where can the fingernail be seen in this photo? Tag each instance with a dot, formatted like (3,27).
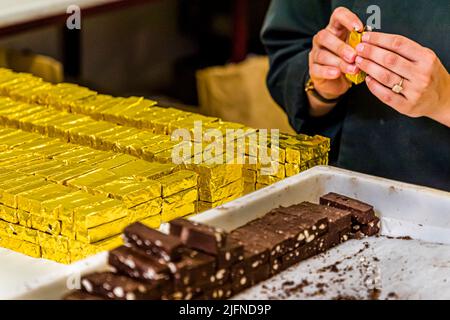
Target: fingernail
(365,37)
(358,60)
(349,55)
(360,47)
(356,27)
(351,69)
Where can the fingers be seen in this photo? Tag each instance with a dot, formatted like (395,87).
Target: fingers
(386,95)
(343,20)
(317,71)
(326,39)
(395,43)
(387,59)
(382,75)
(325,57)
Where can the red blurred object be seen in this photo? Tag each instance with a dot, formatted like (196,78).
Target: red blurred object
(240,31)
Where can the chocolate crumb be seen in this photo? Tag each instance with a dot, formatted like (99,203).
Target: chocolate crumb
(288,283)
(374,294)
(392,295)
(404,238)
(298,288)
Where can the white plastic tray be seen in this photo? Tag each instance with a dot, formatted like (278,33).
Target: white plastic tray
(417,268)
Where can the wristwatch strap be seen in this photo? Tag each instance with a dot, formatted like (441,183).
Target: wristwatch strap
(309,87)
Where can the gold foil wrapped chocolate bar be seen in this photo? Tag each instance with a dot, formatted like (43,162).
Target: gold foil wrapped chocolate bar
(355,38)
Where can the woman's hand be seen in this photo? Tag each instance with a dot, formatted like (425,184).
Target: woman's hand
(330,58)
(388,59)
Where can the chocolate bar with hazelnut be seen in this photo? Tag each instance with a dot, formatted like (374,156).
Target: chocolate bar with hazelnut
(153,243)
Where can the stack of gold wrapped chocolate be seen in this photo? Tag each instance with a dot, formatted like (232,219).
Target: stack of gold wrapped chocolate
(63,202)
(119,153)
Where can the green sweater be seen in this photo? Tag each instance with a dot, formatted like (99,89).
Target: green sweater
(367,135)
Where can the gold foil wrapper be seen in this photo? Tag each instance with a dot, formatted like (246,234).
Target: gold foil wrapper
(24,218)
(56,255)
(44,224)
(77,247)
(28,248)
(103,231)
(180,198)
(146,209)
(236,187)
(178,212)
(354,39)
(260,186)
(99,213)
(115,161)
(292,169)
(230,173)
(54,241)
(249,187)
(204,205)
(8,214)
(273,169)
(249,176)
(92,180)
(267,180)
(64,174)
(31,201)
(152,222)
(177,182)
(63,208)
(68,230)
(18,232)
(130,191)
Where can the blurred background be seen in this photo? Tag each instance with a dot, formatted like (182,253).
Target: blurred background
(192,54)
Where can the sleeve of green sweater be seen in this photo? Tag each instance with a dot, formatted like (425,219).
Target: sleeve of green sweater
(287,36)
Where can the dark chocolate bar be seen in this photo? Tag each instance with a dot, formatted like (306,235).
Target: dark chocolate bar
(287,231)
(136,265)
(311,214)
(117,287)
(276,243)
(338,220)
(195,269)
(362,212)
(232,252)
(199,236)
(255,252)
(220,293)
(372,228)
(302,229)
(306,251)
(240,282)
(259,274)
(153,243)
(187,293)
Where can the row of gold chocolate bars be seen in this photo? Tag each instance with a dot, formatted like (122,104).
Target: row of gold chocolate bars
(119,120)
(63,202)
(113,152)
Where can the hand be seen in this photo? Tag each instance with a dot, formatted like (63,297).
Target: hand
(388,58)
(330,57)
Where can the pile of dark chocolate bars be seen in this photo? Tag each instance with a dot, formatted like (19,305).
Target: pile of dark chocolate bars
(196,261)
